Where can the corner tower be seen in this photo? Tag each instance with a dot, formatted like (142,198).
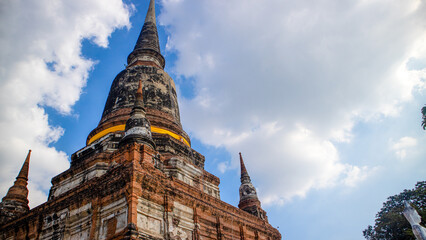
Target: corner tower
(15,203)
(248,195)
(146,64)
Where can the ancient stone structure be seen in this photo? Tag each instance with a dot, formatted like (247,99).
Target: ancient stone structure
(138,177)
(248,196)
(15,203)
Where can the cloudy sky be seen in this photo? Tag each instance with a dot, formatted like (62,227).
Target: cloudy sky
(322,98)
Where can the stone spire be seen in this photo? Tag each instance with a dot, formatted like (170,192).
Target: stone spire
(147,49)
(138,127)
(247,190)
(245,178)
(248,196)
(15,203)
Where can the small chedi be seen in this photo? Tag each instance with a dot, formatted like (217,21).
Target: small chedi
(137,177)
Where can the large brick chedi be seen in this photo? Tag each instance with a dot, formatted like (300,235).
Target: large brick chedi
(138,177)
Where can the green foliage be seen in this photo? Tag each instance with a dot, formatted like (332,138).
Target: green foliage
(424,118)
(390,223)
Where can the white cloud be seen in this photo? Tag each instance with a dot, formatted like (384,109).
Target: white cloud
(222,167)
(403,145)
(286,81)
(41,65)
(354,174)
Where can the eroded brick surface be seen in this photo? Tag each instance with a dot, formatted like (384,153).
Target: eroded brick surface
(135,184)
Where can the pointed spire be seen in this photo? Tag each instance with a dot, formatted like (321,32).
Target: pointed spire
(19,191)
(138,127)
(139,96)
(15,203)
(147,48)
(249,201)
(247,189)
(25,167)
(244,174)
(150,15)
(148,38)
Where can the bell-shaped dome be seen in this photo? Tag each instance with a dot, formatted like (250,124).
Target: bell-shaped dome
(146,64)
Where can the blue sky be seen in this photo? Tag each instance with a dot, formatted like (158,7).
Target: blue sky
(323,98)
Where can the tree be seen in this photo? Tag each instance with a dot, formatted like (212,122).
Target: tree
(424,117)
(390,224)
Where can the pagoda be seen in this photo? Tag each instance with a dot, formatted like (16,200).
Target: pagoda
(137,177)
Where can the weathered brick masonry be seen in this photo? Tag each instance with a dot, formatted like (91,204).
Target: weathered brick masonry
(138,177)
